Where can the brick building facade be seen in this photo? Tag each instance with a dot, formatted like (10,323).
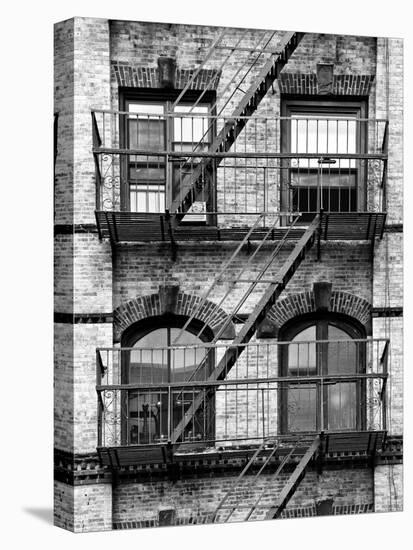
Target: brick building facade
(157,194)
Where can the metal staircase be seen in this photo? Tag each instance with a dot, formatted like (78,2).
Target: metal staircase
(192,185)
(234,506)
(267,300)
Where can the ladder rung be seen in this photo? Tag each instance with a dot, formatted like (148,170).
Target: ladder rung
(266,281)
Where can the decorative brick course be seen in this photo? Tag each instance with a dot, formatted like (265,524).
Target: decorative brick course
(301,303)
(307,84)
(133,76)
(195,500)
(143,307)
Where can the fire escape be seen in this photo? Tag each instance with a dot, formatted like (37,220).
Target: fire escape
(206,202)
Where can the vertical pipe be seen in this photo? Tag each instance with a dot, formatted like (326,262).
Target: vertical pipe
(169,414)
(263,413)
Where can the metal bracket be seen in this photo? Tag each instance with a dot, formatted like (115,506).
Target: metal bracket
(174,246)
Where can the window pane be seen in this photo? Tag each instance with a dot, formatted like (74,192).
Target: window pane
(146,108)
(342,406)
(148,413)
(139,172)
(301,353)
(147,198)
(342,356)
(148,364)
(192,128)
(148,410)
(333,199)
(302,414)
(147,134)
(324,134)
(184,362)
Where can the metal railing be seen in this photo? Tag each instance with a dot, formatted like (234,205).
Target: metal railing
(273,388)
(299,165)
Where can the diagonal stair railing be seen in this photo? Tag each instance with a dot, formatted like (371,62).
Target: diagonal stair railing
(300,448)
(191,188)
(258,314)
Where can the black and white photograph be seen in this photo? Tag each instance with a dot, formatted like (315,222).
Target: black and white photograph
(205,274)
(228,274)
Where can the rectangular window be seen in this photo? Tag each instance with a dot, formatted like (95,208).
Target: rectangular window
(151,181)
(322,178)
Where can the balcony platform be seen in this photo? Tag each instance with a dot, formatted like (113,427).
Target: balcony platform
(359,444)
(134,227)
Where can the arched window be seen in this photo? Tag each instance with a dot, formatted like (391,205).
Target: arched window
(322,345)
(152,411)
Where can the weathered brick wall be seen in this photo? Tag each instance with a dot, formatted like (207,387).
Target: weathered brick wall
(394,82)
(388,488)
(388,258)
(63,106)
(63,273)
(63,386)
(350,54)
(200,497)
(63,505)
(141,270)
(86,339)
(83,272)
(83,508)
(91,88)
(92,275)
(137,46)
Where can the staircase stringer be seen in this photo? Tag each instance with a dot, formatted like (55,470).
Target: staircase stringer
(257,475)
(238,480)
(294,481)
(259,313)
(227,136)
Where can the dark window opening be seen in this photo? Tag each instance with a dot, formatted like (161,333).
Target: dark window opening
(322,130)
(152,124)
(322,346)
(150,414)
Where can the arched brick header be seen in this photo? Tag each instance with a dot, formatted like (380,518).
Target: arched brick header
(304,302)
(169,300)
(307,84)
(127,74)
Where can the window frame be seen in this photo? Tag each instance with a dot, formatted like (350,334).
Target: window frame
(321,321)
(163,97)
(142,328)
(313,106)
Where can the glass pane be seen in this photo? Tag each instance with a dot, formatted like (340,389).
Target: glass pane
(342,199)
(147,134)
(302,412)
(302,352)
(146,108)
(184,361)
(148,410)
(147,198)
(342,356)
(330,178)
(137,172)
(324,134)
(342,406)
(148,364)
(148,415)
(192,128)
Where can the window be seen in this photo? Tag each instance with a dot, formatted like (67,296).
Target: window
(149,362)
(322,346)
(152,182)
(326,182)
